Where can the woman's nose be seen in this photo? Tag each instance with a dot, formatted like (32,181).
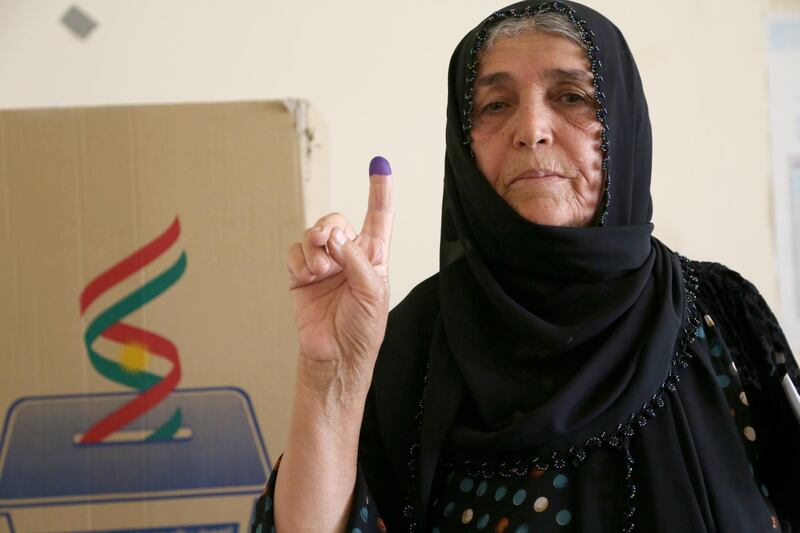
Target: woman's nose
(533,125)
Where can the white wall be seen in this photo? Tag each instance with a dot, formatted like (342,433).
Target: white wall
(376,71)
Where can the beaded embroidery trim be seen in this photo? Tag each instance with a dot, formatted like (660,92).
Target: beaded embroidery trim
(587,36)
(413,452)
(618,439)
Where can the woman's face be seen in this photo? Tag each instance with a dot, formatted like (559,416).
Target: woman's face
(535,134)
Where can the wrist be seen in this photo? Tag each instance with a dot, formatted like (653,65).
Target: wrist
(333,386)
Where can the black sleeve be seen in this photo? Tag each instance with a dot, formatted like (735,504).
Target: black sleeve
(763,357)
(376,470)
(363,518)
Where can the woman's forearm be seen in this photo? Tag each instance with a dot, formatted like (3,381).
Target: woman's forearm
(314,488)
(339,283)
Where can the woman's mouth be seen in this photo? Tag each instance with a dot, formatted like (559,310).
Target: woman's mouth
(536,175)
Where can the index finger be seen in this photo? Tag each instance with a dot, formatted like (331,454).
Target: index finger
(380,209)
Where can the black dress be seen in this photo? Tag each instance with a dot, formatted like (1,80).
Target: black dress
(740,381)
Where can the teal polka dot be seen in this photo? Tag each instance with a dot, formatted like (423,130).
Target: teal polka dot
(483,521)
(723,380)
(356,530)
(519,496)
(563,517)
(481,488)
(560,481)
(258,528)
(364,514)
(716,350)
(267,504)
(450,476)
(764,490)
(466,484)
(436,530)
(272,529)
(750,467)
(701,332)
(522,528)
(448,510)
(500,493)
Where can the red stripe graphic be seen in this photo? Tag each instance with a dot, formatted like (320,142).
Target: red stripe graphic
(156,345)
(134,262)
(153,389)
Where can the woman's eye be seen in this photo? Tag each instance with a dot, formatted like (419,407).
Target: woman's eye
(573,98)
(494,107)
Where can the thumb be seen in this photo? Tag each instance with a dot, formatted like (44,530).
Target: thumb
(355,264)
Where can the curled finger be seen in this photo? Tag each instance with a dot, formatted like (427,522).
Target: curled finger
(299,273)
(315,241)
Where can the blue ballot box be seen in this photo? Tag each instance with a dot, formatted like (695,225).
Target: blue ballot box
(217,454)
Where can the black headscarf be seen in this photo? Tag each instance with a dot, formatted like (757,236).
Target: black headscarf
(557,332)
(558,340)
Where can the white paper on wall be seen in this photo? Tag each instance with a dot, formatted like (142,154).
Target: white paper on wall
(783,33)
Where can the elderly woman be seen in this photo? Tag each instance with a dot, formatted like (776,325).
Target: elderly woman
(564,370)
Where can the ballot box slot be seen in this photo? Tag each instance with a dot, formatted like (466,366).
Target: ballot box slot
(132,436)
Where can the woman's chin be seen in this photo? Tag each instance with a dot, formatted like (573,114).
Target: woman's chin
(546,215)
(550,210)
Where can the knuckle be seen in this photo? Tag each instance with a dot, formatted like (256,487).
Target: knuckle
(329,218)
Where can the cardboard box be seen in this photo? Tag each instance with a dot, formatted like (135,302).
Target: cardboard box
(146,338)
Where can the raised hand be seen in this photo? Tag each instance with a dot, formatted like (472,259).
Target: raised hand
(339,281)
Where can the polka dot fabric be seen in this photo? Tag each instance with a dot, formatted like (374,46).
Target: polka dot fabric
(364,517)
(728,380)
(540,501)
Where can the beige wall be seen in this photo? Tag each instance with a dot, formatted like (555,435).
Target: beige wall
(376,72)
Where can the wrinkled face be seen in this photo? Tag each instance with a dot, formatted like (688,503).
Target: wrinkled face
(534,131)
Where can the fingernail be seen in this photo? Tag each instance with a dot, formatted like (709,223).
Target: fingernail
(379,166)
(338,237)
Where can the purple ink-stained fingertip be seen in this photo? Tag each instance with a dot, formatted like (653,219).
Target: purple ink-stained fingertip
(379,166)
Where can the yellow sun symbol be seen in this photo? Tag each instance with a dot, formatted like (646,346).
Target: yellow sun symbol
(134,358)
